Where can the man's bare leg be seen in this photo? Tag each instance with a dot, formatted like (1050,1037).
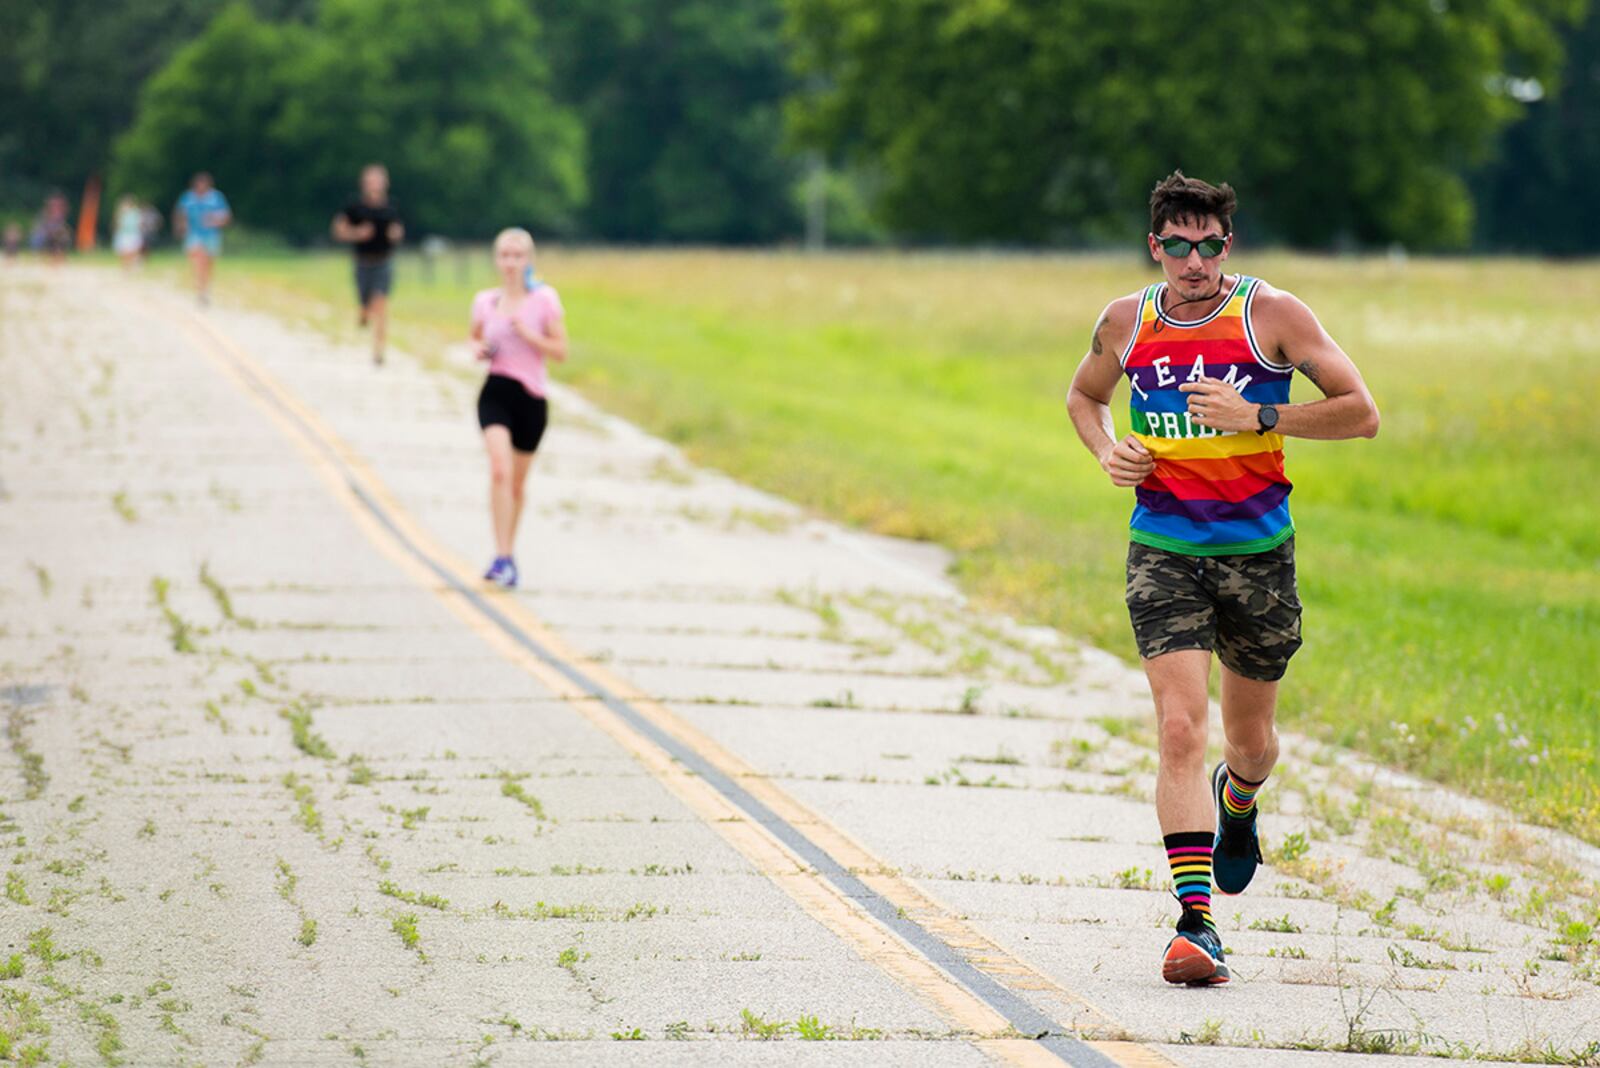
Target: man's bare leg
(1178,682)
(377,314)
(1249,752)
(1249,727)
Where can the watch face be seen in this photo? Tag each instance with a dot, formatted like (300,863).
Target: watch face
(1268,416)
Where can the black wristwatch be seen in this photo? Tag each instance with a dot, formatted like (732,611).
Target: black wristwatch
(1266,418)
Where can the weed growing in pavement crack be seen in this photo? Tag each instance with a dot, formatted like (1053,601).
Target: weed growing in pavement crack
(1000,757)
(406,927)
(411,897)
(1292,848)
(42,575)
(109,1042)
(214,715)
(820,604)
(360,772)
(42,946)
(510,787)
(306,814)
(305,739)
(409,817)
(34,778)
(1210,1034)
(286,879)
(17,889)
(219,593)
(179,631)
(764,1030)
(1403,957)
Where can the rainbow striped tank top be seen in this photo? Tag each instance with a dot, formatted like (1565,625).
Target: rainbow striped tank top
(1213,492)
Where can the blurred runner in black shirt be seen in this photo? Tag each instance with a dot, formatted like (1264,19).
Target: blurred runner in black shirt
(372,224)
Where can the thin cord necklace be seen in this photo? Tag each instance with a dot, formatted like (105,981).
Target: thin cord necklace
(1192,300)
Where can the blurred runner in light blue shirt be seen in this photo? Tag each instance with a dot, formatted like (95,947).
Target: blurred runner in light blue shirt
(198,220)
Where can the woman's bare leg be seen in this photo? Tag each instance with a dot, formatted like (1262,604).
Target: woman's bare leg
(503,506)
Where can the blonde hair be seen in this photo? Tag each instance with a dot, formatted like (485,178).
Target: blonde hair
(514,233)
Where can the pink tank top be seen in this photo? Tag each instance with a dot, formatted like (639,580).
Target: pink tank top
(512,356)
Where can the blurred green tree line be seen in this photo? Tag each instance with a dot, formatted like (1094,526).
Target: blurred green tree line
(1434,123)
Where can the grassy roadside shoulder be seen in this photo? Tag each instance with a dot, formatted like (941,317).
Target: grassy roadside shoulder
(1451,568)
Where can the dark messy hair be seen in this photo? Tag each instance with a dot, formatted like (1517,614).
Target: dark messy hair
(1177,198)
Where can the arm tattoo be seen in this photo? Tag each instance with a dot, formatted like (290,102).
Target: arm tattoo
(1309,369)
(1095,346)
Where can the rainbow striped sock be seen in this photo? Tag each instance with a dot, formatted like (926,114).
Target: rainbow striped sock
(1189,854)
(1239,797)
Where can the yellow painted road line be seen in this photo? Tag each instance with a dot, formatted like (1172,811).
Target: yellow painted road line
(969,980)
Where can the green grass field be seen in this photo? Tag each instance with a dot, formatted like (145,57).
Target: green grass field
(1450,568)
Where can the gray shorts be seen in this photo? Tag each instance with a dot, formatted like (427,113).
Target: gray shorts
(373,279)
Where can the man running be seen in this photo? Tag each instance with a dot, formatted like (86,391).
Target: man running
(198,221)
(1208,358)
(372,225)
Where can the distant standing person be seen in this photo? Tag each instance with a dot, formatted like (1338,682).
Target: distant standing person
(52,232)
(372,225)
(198,222)
(127,237)
(1208,358)
(518,327)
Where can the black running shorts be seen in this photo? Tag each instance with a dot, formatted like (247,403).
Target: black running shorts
(506,402)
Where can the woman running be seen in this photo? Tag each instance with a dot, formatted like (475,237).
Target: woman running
(517,327)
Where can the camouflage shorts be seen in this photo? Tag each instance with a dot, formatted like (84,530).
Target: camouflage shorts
(1243,607)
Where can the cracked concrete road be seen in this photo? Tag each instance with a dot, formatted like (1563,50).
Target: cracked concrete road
(279,785)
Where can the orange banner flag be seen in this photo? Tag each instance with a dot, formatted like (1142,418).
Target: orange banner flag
(86,214)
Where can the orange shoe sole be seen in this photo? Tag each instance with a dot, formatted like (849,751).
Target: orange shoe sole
(1187,963)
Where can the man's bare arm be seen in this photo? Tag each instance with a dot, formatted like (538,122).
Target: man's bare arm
(1346,410)
(345,230)
(1089,398)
